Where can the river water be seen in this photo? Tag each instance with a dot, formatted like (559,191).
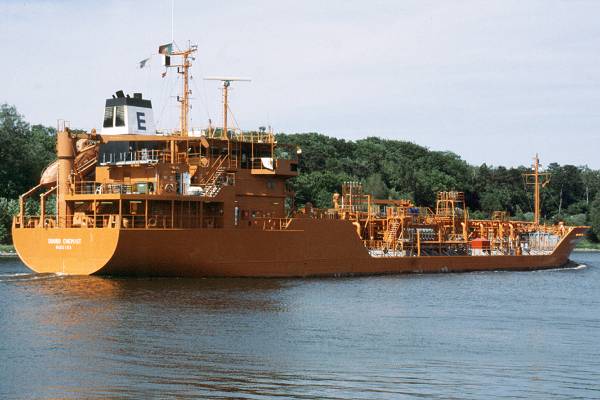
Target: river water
(476,335)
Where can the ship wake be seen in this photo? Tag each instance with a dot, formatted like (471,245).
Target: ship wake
(568,267)
(27,276)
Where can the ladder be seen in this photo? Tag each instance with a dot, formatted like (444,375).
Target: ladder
(214,183)
(390,234)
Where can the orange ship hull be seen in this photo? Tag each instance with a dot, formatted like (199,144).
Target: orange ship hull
(307,248)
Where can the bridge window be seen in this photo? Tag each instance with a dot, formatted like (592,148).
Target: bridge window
(108,117)
(120,116)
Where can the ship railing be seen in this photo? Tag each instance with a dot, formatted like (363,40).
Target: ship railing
(92,187)
(35,221)
(271,164)
(263,163)
(317,213)
(77,221)
(253,136)
(127,221)
(354,208)
(162,221)
(426,212)
(541,242)
(451,196)
(215,132)
(192,158)
(27,221)
(381,248)
(143,156)
(131,221)
(209,189)
(269,224)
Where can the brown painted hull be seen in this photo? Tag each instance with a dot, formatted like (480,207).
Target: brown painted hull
(307,248)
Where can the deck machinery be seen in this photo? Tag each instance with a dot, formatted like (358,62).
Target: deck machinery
(399,228)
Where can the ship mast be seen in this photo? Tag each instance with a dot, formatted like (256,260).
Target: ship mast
(540,179)
(182,69)
(225,106)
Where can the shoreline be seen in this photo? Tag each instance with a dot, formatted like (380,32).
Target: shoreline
(7,255)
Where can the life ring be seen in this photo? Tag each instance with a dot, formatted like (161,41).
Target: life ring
(152,222)
(169,187)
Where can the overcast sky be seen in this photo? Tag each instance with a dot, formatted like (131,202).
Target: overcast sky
(493,81)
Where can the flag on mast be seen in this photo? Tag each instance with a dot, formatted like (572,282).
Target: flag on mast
(144,62)
(165,49)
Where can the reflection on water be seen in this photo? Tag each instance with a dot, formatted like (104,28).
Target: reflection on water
(527,334)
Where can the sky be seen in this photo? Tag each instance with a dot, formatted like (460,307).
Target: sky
(493,81)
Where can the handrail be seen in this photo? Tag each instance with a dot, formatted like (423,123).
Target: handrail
(23,198)
(144,156)
(141,221)
(254,137)
(124,221)
(212,183)
(256,163)
(93,187)
(272,224)
(81,169)
(215,165)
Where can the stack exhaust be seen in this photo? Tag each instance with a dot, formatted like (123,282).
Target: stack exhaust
(125,115)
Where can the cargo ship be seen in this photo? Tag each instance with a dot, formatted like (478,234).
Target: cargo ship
(215,202)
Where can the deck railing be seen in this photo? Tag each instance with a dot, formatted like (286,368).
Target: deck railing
(152,221)
(208,189)
(127,221)
(270,224)
(144,156)
(91,187)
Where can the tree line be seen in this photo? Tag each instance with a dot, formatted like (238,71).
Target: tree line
(387,168)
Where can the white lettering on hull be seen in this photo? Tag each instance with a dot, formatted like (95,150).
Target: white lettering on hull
(64,244)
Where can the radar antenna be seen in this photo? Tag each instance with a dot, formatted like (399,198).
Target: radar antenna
(226,83)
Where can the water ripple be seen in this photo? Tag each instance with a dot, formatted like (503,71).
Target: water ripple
(468,336)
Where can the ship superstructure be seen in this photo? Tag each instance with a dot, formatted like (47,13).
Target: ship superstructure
(215,202)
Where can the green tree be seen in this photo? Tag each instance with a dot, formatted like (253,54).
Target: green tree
(24,152)
(375,185)
(8,208)
(565,188)
(595,217)
(317,187)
